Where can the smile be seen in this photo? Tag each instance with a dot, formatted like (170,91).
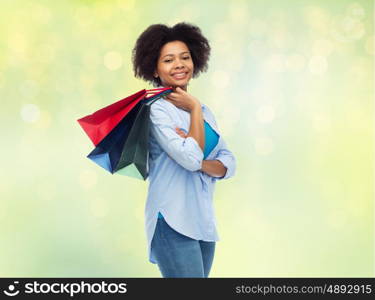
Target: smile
(182,75)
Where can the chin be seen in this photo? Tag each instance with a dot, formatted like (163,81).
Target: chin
(180,84)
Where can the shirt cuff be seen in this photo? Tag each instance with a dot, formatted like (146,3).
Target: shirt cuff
(227,161)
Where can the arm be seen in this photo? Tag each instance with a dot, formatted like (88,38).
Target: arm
(197,126)
(226,157)
(185,151)
(224,164)
(214,168)
(189,103)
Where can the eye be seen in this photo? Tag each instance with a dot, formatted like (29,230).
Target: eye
(186,57)
(168,60)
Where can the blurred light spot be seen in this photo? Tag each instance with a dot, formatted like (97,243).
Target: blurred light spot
(275,63)
(369,45)
(87,179)
(113,60)
(220,79)
(355,10)
(318,64)
(266,114)
(99,207)
(322,47)
(295,62)
(263,145)
(30,113)
(346,29)
(321,122)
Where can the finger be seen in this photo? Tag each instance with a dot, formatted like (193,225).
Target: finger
(179,131)
(169,99)
(173,94)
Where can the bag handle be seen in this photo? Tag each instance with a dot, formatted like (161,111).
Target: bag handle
(153,92)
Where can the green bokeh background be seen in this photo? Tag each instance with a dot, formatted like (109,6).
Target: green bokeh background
(291,85)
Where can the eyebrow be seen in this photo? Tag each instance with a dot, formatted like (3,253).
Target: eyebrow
(173,54)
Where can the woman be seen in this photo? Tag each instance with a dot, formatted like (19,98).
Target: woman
(187,153)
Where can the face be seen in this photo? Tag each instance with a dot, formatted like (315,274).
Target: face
(175,66)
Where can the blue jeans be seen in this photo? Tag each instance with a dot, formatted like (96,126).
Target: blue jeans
(180,256)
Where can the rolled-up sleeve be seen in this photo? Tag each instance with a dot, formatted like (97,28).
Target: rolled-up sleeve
(185,151)
(228,160)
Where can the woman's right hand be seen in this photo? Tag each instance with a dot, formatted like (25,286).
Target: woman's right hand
(182,99)
(181,133)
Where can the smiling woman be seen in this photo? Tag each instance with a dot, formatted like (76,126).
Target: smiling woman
(175,65)
(183,167)
(161,46)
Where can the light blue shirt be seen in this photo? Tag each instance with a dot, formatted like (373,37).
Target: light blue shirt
(177,189)
(211,139)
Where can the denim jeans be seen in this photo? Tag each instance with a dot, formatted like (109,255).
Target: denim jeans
(180,256)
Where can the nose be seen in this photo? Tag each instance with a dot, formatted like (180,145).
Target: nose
(179,64)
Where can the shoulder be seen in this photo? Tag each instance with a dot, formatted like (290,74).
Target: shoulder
(208,112)
(206,109)
(162,105)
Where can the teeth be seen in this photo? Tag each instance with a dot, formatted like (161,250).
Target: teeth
(179,75)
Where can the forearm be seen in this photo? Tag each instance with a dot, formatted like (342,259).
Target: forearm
(214,168)
(196,129)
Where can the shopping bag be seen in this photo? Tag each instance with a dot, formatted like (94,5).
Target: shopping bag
(108,152)
(134,157)
(98,124)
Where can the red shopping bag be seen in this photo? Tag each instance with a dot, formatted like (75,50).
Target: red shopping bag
(98,124)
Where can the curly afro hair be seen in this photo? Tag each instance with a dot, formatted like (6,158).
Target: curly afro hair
(146,51)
